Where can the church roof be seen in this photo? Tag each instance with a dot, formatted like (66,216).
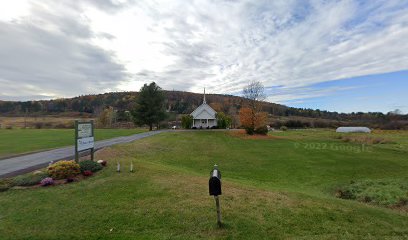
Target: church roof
(204,111)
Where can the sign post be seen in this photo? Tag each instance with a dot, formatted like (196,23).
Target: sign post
(84,138)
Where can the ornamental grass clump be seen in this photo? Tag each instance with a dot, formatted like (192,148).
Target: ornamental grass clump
(47,182)
(63,169)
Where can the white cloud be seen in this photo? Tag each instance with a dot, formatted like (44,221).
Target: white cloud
(220,45)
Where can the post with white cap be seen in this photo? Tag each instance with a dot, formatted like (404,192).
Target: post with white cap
(215,190)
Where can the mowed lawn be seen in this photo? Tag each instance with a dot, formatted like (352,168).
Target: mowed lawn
(273,188)
(18,141)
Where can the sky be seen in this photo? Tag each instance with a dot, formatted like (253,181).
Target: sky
(340,56)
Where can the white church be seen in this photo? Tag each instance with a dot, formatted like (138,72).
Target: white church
(204,116)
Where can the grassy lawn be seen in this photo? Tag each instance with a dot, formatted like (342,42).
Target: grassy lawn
(273,188)
(17,141)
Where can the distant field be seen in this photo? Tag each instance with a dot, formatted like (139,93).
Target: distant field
(276,187)
(17,141)
(42,121)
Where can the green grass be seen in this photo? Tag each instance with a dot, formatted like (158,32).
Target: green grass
(18,141)
(272,189)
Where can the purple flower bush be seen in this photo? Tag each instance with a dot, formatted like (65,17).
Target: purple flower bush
(47,181)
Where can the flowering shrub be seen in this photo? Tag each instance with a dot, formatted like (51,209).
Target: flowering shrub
(63,169)
(102,162)
(87,173)
(47,181)
(89,165)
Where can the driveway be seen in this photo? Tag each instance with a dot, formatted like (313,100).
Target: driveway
(26,163)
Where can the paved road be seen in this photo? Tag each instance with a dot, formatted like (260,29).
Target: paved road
(26,163)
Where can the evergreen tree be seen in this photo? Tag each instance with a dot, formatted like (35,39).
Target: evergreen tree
(149,109)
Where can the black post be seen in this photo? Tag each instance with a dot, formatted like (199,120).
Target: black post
(217,204)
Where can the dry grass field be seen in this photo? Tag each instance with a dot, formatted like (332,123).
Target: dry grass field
(38,122)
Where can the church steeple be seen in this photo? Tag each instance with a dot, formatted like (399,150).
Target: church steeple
(204,102)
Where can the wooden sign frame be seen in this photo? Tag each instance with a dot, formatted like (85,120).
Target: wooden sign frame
(84,138)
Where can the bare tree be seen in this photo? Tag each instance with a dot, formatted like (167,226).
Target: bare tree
(254,92)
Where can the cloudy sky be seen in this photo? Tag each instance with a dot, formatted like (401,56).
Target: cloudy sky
(334,55)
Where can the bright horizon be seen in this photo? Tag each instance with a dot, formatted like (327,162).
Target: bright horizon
(344,56)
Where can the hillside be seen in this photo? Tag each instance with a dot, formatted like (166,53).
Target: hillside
(185,102)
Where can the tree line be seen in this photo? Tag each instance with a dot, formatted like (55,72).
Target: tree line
(179,102)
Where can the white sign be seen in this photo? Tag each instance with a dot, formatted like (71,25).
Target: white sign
(85,143)
(84,130)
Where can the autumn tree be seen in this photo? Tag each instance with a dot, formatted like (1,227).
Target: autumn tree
(252,122)
(150,108)
(252,117)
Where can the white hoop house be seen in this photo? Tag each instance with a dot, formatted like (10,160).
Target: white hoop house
(353,130)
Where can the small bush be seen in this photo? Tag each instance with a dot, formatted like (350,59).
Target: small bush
(263,130)
(9,127)
(249,130)
(47,182)
(87,173)
(63,169)
(89,165)
(283,128)
(28,179)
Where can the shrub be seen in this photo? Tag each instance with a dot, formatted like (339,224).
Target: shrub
(89,165)
(63,169)
(186,121)
(263,130)
(47,182)
(87,173)
(249,130)
(28,179)
(283,128)
(9,127)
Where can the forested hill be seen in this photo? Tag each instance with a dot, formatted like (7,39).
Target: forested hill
(177,102)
